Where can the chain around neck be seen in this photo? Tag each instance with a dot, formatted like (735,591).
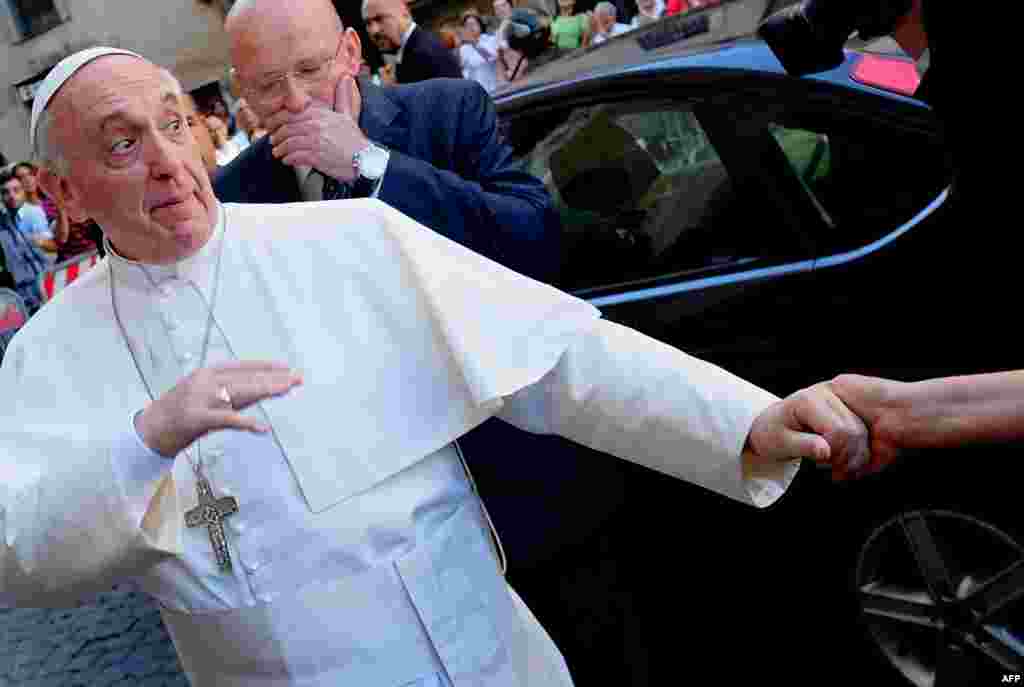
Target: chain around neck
(196,464)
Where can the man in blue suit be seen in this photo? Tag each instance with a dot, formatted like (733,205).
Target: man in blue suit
(431,149)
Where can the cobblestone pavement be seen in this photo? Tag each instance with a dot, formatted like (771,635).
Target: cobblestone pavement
(119,639)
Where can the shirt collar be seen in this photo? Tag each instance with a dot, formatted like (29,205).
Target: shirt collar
(196,268)
(405,39)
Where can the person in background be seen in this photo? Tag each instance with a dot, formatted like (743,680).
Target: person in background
(420,54)
(227,149)
(569,30)
(29,220)
(511,64)
(200,132)
(603,24)
(239,136)
(650,11)
(74,238)
(249,123)
(26,173)
(217,108)
(21,261)
(479,53)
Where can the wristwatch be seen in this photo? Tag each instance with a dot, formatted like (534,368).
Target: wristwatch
(371,162)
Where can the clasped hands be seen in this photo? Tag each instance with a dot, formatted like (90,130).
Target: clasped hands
(847,424)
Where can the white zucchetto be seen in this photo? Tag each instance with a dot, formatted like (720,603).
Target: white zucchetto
(60,73)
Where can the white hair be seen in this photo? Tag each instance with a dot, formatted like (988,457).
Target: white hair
(46,153)
(607,9)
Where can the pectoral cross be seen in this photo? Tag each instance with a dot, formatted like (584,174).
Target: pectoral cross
(211,512)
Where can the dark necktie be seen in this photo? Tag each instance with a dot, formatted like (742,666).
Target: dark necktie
(335,190)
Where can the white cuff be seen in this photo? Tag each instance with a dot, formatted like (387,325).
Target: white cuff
(768,485)
(626,394)
(138,470)
(380,182)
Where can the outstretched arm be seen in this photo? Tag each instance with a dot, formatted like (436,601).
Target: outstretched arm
(618,391)
(935,413)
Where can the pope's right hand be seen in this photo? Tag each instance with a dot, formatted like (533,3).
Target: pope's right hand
(210,399)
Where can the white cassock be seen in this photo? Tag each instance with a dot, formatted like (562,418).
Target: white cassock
(361,555)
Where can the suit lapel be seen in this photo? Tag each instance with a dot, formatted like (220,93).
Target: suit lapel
(408,69)
(279,185)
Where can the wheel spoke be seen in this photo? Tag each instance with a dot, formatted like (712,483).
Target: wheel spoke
(929,560)
(896,603)
(998,592)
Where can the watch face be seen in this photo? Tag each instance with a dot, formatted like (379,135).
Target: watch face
(372,162)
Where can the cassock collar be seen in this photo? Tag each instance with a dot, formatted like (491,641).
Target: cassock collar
(197,268)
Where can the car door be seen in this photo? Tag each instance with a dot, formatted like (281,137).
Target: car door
(674,223)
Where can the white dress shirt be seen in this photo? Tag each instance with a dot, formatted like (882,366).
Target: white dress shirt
(31,221)
(405,39)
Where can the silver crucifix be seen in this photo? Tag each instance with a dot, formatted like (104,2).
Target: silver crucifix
(211,512)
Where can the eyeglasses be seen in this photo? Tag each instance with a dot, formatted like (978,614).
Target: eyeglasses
(272,91)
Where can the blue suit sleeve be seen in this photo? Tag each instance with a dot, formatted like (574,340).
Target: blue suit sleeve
(487,203)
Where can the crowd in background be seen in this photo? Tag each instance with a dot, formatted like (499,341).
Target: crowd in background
(481,42)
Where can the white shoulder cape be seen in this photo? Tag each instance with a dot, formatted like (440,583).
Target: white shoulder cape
(407,340)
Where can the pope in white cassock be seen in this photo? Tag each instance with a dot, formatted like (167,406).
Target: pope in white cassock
(307,520)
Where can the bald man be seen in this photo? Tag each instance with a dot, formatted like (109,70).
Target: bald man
(200,132)
(430,150)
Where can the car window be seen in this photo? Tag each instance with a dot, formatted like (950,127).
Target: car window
(868,180)
(641,191)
